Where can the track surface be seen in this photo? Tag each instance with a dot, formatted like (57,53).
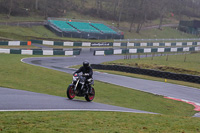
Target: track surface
(155,87)
(18,100)
(62,64)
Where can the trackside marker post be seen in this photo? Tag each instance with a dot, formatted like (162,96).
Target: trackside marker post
(29,43)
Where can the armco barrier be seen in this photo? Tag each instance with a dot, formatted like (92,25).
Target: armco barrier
(89,44)
(13,43)
(154,73)
(39,52)
(115,44)
(146,50)
(84,44)
(152,44)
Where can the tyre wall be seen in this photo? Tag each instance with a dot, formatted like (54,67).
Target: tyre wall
(154,73)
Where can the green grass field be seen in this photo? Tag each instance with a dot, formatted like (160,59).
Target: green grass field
(95,122)
(31,18)
(18,75)
(167,33)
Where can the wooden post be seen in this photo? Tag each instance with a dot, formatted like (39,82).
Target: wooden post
(167,58)
(139,56)
(185,58)
(152,56)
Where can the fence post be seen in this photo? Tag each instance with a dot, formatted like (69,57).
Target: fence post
(152,56)
(130,56)
(185,58)
(139,56)
(167,58)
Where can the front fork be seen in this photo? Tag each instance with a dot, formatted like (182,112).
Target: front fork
(76,85)
(89,87)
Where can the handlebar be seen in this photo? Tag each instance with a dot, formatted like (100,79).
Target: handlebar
(84,75)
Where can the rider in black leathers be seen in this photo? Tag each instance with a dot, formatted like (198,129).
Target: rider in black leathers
(86,69)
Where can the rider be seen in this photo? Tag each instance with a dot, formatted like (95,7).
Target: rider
(86,69)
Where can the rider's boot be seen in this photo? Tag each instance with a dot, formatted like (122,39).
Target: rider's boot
(90,89)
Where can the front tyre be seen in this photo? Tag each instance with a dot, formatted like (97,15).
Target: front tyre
(70,92)
(89,97)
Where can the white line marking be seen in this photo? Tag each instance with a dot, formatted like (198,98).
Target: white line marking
(103,110)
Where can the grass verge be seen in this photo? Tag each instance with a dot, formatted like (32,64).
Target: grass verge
(166,32)
(64,122)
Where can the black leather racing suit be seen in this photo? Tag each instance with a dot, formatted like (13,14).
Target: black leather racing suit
(85,70)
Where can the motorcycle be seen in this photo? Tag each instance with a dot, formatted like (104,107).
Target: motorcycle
(80,88)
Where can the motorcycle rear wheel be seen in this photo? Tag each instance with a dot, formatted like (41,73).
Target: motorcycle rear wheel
(89,97)
(70,92)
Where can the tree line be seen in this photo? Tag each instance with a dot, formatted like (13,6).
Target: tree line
(134,11)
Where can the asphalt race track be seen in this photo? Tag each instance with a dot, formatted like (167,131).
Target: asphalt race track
(30,100)
(18,100)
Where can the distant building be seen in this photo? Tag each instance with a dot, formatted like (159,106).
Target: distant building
(192,27)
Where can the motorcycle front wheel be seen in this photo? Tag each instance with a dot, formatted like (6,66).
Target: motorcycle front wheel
(89,97)
(70,92)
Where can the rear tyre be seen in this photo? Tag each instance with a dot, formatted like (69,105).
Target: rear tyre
(70,92)
(89,97)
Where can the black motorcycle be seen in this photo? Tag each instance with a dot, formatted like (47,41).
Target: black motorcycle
(81,87)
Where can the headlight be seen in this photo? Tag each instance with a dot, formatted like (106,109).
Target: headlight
(74,78)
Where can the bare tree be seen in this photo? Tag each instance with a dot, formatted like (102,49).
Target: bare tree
(132,12)
(116,3)
(163,7)
(121,4)
(36,4)
(10,8)
(141,15)
(83,3)
(98,6)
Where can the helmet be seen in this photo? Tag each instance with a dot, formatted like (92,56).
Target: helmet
(86,64)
